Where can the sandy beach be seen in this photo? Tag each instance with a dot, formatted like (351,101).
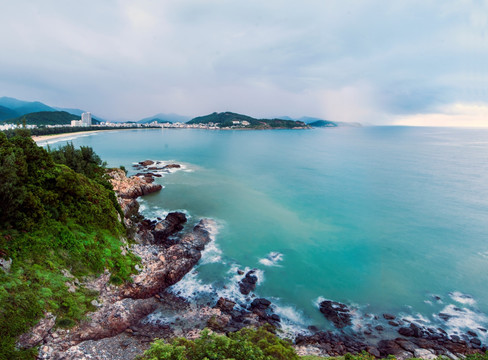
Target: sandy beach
(55,136)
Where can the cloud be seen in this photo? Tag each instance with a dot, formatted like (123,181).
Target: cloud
(457,115)
(360,61)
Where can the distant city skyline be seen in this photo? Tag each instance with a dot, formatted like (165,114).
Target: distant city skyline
(403,62)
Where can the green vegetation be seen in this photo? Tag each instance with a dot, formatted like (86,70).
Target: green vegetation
(45,118)
(226,119)
(57,211)
(246,344)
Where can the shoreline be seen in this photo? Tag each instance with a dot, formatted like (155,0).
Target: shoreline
(57,136)
(149,309)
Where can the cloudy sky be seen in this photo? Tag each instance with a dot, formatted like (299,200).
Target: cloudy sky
(417,62)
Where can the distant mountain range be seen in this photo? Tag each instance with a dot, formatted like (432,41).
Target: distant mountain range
(165,118)
(227,119)
(11,109)
(317,122)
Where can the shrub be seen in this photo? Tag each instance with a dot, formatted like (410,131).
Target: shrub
(246,344)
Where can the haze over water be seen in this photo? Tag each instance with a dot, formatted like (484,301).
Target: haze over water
(380,218)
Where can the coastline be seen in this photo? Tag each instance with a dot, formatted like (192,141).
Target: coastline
(145,310)
(38,139)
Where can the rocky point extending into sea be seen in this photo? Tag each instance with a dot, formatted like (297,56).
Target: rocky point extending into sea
(124,325)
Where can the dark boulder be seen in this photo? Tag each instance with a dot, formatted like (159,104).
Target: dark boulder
(260,303)
(169,226)
(248,283)
(336,312)
(225,305)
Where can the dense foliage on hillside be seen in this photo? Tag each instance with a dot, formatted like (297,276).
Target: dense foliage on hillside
(53,217)
(226,119)
(44,118)
(246,344)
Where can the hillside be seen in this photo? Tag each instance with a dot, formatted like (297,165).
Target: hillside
(46,118)
(53,217)
(6,113)
(24,107)
(226,119)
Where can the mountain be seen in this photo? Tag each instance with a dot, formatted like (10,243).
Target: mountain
(46,118)
(165,118)
(24,107)
(226,119)
(322,123)
(6,113)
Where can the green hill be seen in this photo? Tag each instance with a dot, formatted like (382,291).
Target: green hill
(7,113)
(226,119)
(24,107)
(46,118)
(53,217)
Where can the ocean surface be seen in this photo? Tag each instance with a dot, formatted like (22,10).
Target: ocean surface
(383,219)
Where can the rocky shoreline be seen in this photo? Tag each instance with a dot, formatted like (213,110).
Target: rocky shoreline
(129,317)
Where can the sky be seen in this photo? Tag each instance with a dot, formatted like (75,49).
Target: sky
(412,62)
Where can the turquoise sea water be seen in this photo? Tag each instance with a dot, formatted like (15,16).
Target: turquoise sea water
(380,218)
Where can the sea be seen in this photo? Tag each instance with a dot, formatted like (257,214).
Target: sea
(385,219)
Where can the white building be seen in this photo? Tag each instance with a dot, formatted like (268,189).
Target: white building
(86,119)
(76,123)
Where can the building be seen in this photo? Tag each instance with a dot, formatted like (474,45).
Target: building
(86,119)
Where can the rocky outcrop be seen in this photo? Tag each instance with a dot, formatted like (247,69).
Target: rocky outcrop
(336,312)
(114,318)
(131,187)
(38,333)
(248,283)
(169,226)
(170,264)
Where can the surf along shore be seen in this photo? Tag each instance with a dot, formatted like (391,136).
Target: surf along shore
(129,317)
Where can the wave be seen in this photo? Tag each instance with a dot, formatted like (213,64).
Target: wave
(462,298)
(212,253)
(272,259)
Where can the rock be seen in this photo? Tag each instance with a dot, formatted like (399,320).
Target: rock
(240,272)
(393,323)
(179,259)
(406,345)
(169,226)
(38,333)
(424,354)
(336,312)
(475,341)
(115,318)
(444,316)
(373,351)
(172,166)
(146,162)
(248,283)
(389,317)
(406,331)
(472,333)
(225,305)
(390,347)
(260,303)
(130,187)
(275,317)
(379,328)
(5,264)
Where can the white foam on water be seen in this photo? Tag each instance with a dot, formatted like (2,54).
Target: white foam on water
(483,254)
(463,319)
(191,287)
(417,318)
(212,253)
(462,298)
(272,259)
(231,289)
(293,322)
